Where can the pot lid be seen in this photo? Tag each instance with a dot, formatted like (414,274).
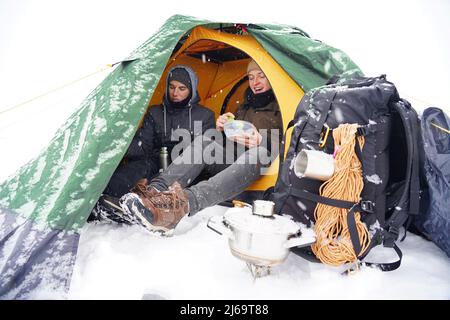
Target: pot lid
(243,219)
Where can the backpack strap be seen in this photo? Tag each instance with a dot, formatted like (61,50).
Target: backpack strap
(269,191)
(380,236)
(304,194)
(283,141)
(362,206)
(414,197)
(377,239)
(408,200)
(379,132)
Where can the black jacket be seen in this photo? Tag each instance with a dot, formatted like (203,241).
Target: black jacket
(263,111)
(142,157)
(162,121)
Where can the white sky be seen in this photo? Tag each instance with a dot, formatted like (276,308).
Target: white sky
(46,43)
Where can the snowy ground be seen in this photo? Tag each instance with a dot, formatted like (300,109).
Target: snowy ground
(125,262)
(44,44)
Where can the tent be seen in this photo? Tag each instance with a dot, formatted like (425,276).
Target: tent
(46,203)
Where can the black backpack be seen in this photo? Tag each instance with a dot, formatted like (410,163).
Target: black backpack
(390,159)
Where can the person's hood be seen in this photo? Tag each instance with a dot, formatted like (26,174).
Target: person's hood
(194,83)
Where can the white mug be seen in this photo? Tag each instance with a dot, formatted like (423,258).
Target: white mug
(314,164)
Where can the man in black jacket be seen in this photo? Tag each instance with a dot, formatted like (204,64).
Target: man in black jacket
(163,126)
(174,193)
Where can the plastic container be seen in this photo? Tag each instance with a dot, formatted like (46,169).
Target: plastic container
(237,127)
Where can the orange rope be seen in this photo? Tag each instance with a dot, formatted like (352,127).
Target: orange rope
(333,244)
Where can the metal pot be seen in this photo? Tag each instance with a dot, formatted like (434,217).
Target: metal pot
(257,239)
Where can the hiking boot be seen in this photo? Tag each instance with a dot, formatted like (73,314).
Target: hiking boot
(159,213)
(108,208)
(143,190)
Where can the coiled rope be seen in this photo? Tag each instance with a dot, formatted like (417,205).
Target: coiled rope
(333,243)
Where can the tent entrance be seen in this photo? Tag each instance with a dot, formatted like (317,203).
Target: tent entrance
(219,67)
(220,60)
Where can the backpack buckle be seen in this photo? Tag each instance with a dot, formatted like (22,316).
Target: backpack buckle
(394,231)
(324,137)
(367,206)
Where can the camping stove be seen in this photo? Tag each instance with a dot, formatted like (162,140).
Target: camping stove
(258,271)
(258,236)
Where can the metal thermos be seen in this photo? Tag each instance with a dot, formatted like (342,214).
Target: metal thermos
(163,158)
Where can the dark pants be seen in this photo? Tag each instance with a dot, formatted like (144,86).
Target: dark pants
(124,178)
(227,179)
(127,175)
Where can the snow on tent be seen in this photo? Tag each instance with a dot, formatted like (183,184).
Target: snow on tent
(44,206)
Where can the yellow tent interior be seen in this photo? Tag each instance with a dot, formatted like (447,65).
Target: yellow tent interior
(220,60)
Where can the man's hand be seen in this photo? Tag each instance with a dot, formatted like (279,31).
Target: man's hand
(250,140)
(221,120)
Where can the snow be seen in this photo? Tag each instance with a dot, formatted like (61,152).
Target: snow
(125,262)
(375,179)
(43,45)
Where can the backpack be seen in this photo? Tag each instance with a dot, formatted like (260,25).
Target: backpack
(390,159)
(434,224)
